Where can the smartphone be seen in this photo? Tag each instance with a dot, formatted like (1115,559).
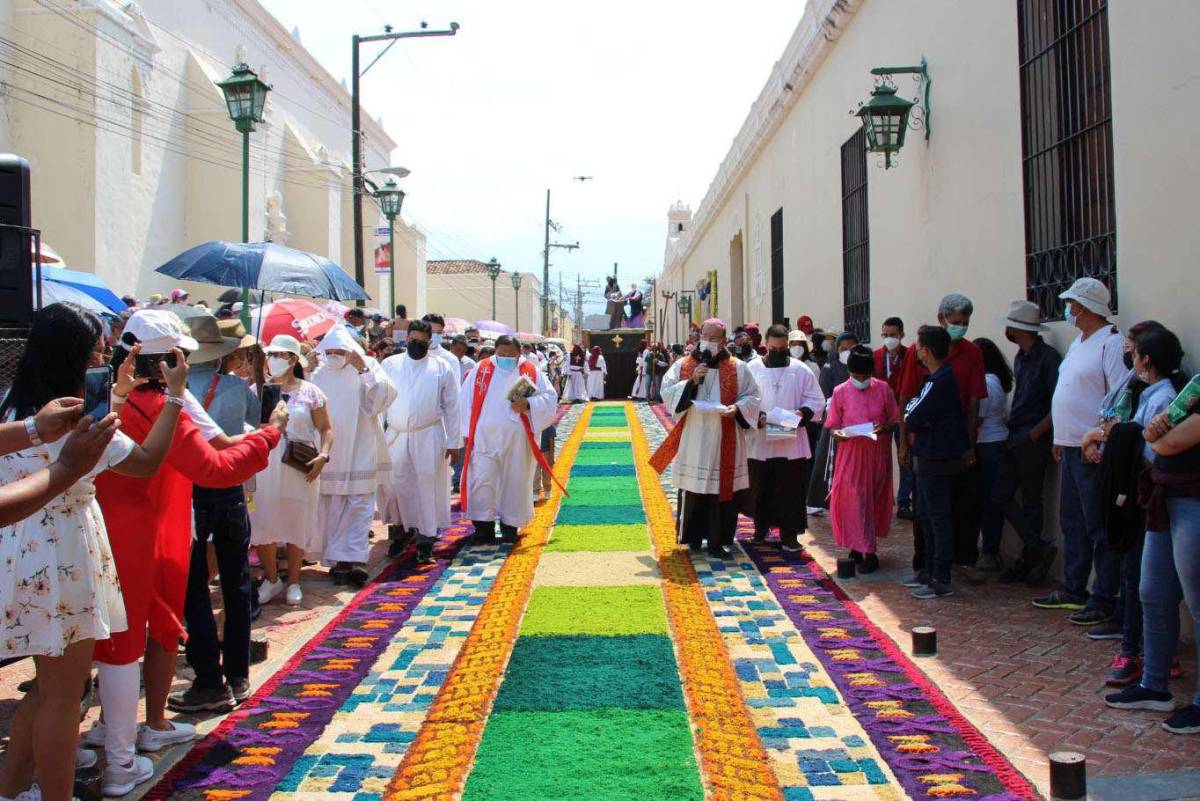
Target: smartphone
(271,395)
(97,384)
(146,364)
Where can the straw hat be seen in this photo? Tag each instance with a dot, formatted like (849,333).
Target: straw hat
(1023,316)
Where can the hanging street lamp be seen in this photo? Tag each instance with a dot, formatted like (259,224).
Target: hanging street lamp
(886,116)
(391,199)
(493,272)
(516,282)
(245,98)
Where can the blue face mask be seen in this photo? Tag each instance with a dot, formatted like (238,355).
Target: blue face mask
(1070,318)
(435,340)
(956,332)
(506,362)
(861,384)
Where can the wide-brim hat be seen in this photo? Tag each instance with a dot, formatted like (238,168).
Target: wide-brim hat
(234,328)
(1024,315)
(283,343)
(213,345)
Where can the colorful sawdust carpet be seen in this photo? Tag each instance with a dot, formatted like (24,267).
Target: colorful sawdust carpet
(596,659)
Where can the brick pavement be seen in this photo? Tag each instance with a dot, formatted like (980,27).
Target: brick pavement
(286,629)
(1029,680)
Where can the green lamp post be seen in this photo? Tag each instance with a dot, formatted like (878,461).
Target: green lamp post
(245,97)
(391,199)
(516,282)
(493,272)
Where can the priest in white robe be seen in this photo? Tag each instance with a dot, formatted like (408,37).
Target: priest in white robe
(423,429)
(778,461)
(576,390)
(442,479)
(708,443)
(501,451)
(357,391)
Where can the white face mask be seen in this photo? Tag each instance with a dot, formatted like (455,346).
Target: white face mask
(707,346)
(278,365)
(336,361)
(797,352)
(891,343)
(844,357)
(827,346)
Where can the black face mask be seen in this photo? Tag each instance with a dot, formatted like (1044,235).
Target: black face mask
(1128,360)
(417,349)
(778,358)
(1011,337)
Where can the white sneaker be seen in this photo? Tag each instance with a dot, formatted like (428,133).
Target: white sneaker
(149,739)
(34,793)
(85,758)
(294,595)
(120,780)
(268,590)
(94,737)
(817,511)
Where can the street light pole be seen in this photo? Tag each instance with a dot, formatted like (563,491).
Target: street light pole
(391,199)
(493,272)
(356,124)
(516,282)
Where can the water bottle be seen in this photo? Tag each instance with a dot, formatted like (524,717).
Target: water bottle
(1123,408)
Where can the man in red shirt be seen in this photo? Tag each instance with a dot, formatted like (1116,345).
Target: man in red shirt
(889,364)
(966,360)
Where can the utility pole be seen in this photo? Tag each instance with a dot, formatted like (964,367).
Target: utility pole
(562,312)
(356,124)
(578,302)
(546,265)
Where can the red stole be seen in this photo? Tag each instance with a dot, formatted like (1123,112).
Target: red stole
(483,380)
(727,374)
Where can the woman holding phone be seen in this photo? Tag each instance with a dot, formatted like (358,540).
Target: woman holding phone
(149,518)
(59,591)
(285,508)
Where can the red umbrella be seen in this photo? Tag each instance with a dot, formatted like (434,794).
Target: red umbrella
(301,319)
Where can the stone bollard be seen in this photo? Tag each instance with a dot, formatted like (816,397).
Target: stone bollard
(924,641)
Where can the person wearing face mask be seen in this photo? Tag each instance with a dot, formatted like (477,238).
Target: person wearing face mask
(936,420)
(287,500)
(357,391)
(423,428)
(966,360)
(860,494)
(1026,455)
(889,362)
(709,448)
(779,465)
(800,350)
(834,373)
(1093,364)
(597,373)
(444,472)
(502,451)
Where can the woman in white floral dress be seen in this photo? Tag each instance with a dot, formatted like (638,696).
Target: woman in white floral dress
(58,587)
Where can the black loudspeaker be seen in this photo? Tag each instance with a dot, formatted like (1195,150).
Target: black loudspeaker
(16,243)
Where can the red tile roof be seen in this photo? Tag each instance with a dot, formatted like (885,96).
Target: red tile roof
(455,267)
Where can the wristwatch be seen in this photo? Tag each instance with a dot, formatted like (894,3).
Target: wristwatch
(31,430)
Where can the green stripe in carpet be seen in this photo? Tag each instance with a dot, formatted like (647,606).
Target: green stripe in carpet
(605,457)
(603,611)
(558,673)
(616,422)
(585,447)
(599,755)
(590,515)
(600,498)
(631,537)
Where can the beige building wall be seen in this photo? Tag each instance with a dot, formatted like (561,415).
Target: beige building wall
(949,216)
(469,296)
(133,155)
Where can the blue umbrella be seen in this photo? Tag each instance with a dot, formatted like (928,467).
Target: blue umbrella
(87,283)
(264,266)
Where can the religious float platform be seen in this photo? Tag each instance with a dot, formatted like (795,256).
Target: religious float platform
(596,659)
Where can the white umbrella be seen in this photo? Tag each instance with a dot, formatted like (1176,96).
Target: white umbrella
(54,292)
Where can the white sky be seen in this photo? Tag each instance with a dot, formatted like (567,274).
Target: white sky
(645,96)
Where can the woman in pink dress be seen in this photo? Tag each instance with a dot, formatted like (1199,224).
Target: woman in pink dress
(860,496)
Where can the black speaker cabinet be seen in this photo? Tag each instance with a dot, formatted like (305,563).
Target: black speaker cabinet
(16,243)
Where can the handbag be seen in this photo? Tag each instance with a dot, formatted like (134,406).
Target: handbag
(298,454)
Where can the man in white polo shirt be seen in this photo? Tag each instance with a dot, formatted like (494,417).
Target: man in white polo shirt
(1092,366)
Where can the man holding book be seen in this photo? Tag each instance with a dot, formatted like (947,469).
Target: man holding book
(506,402)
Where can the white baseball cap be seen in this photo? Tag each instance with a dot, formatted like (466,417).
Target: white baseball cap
(158,331)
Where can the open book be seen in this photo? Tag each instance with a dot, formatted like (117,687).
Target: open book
(523,388)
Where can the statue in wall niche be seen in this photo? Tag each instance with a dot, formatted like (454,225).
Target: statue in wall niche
(276,220)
